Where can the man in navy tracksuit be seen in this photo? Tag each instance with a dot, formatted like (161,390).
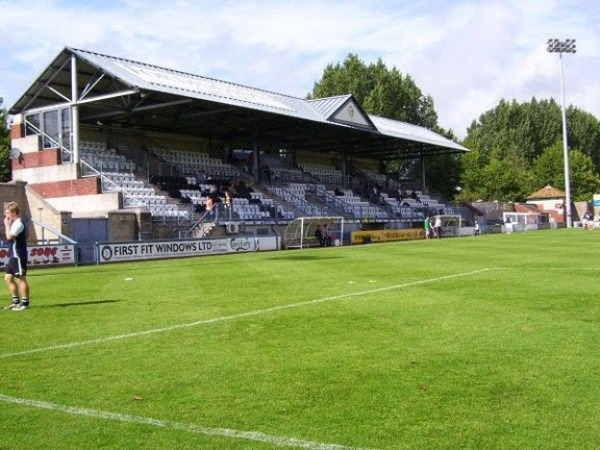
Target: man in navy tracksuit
(16,269)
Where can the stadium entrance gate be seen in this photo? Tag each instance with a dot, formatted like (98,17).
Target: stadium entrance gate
(86,232)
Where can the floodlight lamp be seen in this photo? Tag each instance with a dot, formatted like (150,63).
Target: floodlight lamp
(552,45)
(558,46)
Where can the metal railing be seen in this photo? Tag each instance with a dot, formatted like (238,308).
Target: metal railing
(130,199)
(59,239)
(207,217)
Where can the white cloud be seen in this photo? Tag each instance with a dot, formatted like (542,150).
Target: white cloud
(467,55)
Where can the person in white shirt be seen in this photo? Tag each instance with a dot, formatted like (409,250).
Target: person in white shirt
(437,227)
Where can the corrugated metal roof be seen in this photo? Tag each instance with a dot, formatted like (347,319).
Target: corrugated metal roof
(405,130)
(327,106)
(169,81)
(151,78)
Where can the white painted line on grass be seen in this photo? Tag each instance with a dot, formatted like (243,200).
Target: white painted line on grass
(198,429)
(235,316)
(528,268)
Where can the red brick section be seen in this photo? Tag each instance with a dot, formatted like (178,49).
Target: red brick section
(558,217)
(68,188)
(43,158)
(17,130)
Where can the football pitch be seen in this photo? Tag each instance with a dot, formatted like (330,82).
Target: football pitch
(477,342)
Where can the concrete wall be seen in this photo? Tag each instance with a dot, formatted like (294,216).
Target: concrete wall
(45,174)
(27,144)
(122,226)
(14,192)
(44,213)
(34,206)
(87,205)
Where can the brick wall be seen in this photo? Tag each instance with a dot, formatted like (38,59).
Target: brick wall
(17,130)
(68,188)
(50,157)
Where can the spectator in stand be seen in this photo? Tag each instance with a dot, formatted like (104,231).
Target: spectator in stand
(214,189)
(267,173)
(209,204)
(250,163)
(375,195)
(337,191)
(201,177)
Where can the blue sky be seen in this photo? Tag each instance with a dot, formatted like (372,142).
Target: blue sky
(466,54)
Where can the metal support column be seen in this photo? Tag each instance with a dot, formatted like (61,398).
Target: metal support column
(74,110)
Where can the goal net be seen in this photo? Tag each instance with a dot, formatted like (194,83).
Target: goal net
(302,232)
(451,224)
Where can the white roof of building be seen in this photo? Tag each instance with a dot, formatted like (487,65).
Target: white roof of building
(337,118)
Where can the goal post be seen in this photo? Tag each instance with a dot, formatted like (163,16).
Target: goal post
(300,232)
(451,224)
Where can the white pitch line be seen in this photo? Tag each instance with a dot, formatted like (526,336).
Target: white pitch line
(235,316)
(197,429)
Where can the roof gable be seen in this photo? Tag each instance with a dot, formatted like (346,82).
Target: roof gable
(547,192)
(343,109)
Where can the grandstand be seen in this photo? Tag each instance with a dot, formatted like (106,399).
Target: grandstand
(168,158)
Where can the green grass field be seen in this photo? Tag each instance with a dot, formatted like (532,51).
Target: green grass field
(488,342)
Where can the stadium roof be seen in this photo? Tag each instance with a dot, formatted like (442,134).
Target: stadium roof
(133,95)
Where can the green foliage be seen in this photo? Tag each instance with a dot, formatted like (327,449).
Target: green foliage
(531,127)
(5,166)
(585,181)
(389,93)
(548,168)
(471,173)
(381,91)
(457,343)
(522,143)
(490,176)
(443,173)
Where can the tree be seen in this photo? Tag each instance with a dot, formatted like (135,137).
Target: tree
(388,93)
(471,175)
(525,139)
(381,91)
(549,169)
(494,175)
(5,165)
(531,127)
(443,173)
(585,181)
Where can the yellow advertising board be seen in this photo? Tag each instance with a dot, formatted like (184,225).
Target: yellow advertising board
(363,237)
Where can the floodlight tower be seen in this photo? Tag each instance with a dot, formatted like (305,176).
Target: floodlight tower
(560,47)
